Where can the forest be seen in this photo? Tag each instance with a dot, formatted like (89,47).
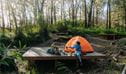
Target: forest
(25,23)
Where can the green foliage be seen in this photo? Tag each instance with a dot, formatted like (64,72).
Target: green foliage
(30,37)
(35,38)
(35,34)
(62,69)
(64,25)
(57,27)
(27,35)
(17,52)
(7,57)
(3,56)
(77,28)
(82,31)
(40,19)
(5,40)
(20,37)
(31,29)
(20,46)
(39,33)
(110,31)
(6,62)
(44,34)
(34,71)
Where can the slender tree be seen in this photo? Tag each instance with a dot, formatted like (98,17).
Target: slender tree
(55,14)
(73,11)
(85,6)
(52,11)
(93,16)
(108,21)
(90,14)
(109,7)
(107,17)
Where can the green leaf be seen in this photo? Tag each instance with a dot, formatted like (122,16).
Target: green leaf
(3,62)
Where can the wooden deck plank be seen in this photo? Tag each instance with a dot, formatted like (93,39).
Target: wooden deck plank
(40,53)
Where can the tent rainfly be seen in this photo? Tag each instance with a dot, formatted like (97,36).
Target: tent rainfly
(85,45)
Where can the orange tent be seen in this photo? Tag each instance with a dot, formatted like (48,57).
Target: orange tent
(85,45)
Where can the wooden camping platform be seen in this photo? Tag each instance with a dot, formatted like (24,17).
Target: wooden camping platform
(40,53)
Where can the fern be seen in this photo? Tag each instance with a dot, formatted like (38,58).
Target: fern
(4,62)
(62,69)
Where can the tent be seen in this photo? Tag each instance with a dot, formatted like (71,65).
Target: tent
(85,45)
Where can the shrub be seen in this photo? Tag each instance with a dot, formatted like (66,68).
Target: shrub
(109,31)
(20,37)
(5,40)
(6,62)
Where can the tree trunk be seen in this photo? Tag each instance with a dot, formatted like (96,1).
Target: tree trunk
(64,17)
(93,23)
(24,18)
(76,11)
(80,12)
(69,13)
(42,12)
(61,12)
(109,4)
(90,14)
(85,6)
(48,16)
(35,11)
(51,11)
(54,14)
(107,19)
(97,13)
(73,17)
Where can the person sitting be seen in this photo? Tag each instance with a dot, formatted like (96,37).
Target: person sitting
(78,52)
